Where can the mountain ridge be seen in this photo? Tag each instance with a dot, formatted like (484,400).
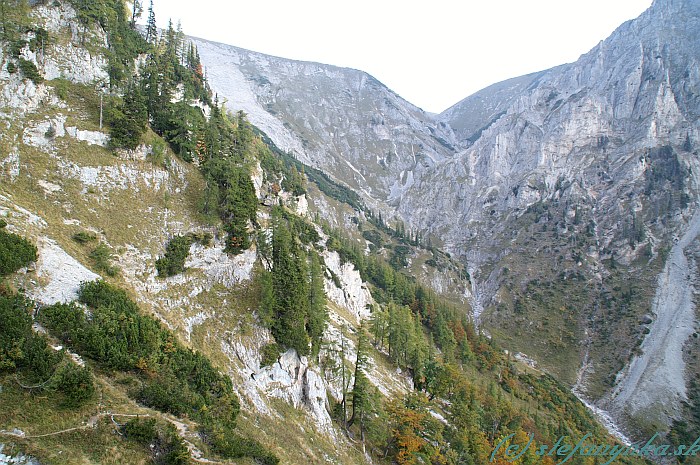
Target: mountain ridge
(377,134)
(570,142)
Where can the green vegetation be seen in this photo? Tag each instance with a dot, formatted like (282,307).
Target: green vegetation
(489,395)
(14,19)
(269,354)
(173,262)
(125,42)
(399,233)
(665,185)
(76,384)
(177,251)
(15,251)
(447,324)
(233,445)
(83,237)
(223,145)
(169,377)
(431,340)
(127,118)
(160,439)
(367,408)
(182,125)
(30,71)
(293,172)
(293,302)
(14,25)
(230,193)
(101,258)
(37,366)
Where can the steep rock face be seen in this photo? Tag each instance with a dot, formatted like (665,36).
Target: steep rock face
(69,59)
(586,143)
(290,378)
(352,293)
(634,91)
(340,120)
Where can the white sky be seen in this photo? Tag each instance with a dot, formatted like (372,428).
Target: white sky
(432,53)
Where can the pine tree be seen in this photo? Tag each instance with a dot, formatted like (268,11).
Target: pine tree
(264,248)
(151,28)
(417,355)
(128,120)
(268,303)
(318,316)
(362,401)
(180,44)
(136,11)
(171,50)
(344,381)
(290,289)
(210,201)
(379,324)
(185,123)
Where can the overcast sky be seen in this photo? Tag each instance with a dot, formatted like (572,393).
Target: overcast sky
(432,53)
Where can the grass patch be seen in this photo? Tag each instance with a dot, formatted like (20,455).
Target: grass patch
(102,258)
(41,414)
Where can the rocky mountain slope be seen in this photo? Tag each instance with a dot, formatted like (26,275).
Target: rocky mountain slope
(426,385)
(561,191)
(610,143)
(340,120)
(55,183)
(472,115)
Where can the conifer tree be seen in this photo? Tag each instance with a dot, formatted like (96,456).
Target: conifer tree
(362,388)
(137,9)
(128,120)
(318,316)
(210,200)
(379,325)
(290,290)
(151,28)
(268,303)
(344,381)
(417,356)
(171,50)
(179,43)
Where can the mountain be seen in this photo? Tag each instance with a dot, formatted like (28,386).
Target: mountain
(340,120)
(586,172)
(569,195)
(175,288)
(472,115)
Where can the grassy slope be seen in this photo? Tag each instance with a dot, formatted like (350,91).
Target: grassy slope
(136,222)
(556,309)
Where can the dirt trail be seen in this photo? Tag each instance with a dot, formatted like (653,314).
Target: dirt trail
(182,429)
(654,382)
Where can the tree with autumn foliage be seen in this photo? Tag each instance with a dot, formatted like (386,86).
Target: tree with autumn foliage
(416,436)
